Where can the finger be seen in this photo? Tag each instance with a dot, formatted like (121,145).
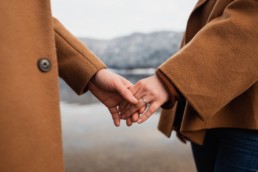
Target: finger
(129,122)
(153,108)
(115,116)
(142,109)
(131,109)
(134,90)
(123,106)
(126,107)
(125,92)
(137,91)
(122,109)
(135,117)
(127,83)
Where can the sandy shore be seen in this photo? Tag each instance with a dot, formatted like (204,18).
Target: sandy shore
(93,144)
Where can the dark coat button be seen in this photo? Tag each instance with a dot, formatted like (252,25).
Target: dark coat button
(44,65)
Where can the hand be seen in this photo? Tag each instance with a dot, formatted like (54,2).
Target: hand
(111,89)
(148,91)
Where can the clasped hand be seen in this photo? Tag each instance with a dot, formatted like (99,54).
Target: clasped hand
(151,94)
(133,103)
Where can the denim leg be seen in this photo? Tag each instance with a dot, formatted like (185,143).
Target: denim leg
(238,151)
(205,155)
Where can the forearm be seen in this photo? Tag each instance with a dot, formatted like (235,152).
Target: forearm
(76,63)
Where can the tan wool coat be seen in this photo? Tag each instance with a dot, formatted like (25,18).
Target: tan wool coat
(216,70)
(30,129)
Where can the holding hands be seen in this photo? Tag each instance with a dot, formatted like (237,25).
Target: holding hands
(151,95)
(133,103)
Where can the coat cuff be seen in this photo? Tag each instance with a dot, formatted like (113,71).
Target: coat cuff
(174,94)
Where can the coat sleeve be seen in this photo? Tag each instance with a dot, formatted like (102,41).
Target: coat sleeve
(220,62)
(76,63)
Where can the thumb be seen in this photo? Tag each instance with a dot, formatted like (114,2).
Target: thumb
(125,92)
(125,82)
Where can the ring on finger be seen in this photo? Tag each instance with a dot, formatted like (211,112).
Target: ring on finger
(144,101)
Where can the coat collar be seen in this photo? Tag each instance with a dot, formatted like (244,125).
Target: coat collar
(199,3)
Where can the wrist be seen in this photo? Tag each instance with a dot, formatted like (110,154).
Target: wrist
(171,89)
(94,79)
(165,92)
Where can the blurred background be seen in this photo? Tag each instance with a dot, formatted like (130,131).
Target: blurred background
(133,38)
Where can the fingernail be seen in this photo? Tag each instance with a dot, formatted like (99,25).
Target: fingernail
(139,121)
(116,124)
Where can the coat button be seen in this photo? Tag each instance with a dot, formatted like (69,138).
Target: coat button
(44,65)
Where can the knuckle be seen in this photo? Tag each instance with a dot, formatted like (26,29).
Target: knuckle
(139,105)
(148,87)
(130,111)
(144,117)
(141,83)
(152,108)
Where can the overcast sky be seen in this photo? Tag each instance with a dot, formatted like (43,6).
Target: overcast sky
(106,19)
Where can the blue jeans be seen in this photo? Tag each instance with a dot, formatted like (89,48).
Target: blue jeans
(227,150)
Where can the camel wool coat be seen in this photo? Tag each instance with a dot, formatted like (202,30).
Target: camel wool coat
(216,70)
(35,49)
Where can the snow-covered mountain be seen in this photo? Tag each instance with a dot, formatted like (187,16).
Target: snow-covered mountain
(137,50)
